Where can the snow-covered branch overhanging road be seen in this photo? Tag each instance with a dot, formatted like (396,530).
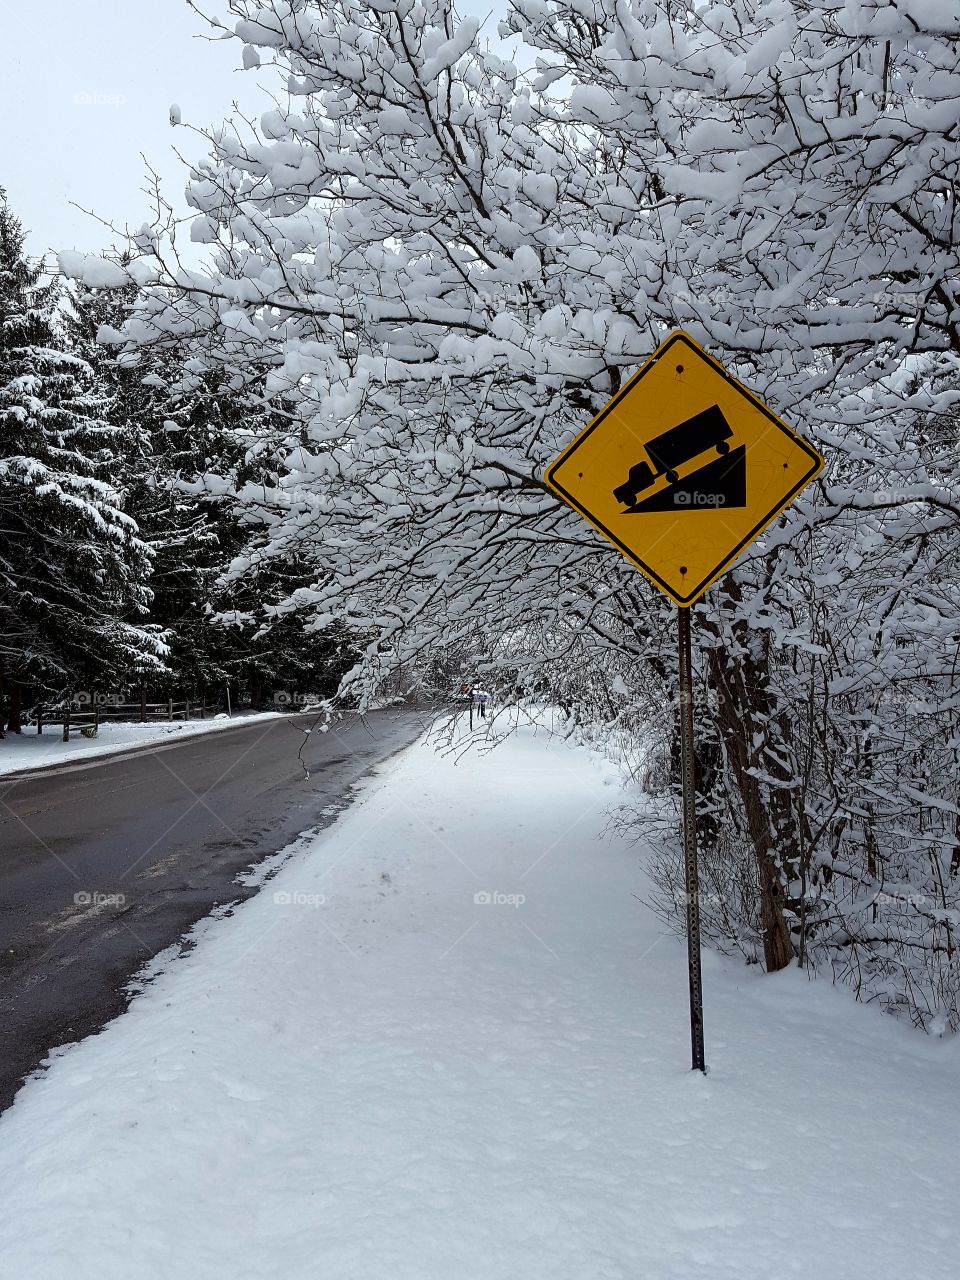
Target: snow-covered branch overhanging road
(106,864)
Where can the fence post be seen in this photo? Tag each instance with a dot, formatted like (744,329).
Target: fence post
(96,719)
(169,708)
(143,705)
(66,723)
(40,718)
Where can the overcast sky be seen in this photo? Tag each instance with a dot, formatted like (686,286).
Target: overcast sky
(85,91)
(85,88)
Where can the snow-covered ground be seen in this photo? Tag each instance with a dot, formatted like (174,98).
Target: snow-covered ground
(447,1042)
(32,750)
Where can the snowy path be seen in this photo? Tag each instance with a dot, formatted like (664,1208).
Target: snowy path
(368,1074)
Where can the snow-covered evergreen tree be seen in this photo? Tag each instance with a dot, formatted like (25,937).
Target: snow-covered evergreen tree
(73,571)
(171,443)
(193,439)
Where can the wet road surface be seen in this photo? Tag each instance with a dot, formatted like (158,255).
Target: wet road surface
(102,865)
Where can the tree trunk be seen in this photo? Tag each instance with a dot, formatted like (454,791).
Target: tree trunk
(745,717)
(707,757)
(15,721)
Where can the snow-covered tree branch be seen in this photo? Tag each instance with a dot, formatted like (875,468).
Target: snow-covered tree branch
(440,266)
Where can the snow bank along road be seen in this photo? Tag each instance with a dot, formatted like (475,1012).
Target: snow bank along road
(103,864)
(447,1042)
(29,751)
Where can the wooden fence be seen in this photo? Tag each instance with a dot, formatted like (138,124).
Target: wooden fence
(83,717)
(144,711)
(71,719)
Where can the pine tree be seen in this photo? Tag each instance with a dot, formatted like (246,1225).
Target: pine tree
(190,442)
(167,447)
(73,571)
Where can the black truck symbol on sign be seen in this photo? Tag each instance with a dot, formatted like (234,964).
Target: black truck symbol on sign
(721,482)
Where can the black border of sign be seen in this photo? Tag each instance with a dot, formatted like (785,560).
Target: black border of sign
(817,460)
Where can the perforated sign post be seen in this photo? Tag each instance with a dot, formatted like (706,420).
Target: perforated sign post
(682,470)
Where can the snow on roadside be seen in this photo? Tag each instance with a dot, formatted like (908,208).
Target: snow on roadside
(32,750)
(447,1040)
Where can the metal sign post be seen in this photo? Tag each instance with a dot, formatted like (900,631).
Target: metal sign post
(691,873)
(682,470)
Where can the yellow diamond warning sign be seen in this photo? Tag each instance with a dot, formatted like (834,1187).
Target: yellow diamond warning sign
(683,468)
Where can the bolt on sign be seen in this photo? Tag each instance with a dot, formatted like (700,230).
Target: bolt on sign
(683,468)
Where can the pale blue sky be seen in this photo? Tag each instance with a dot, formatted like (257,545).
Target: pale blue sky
(86,87)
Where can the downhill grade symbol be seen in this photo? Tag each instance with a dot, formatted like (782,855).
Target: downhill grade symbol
(683,468)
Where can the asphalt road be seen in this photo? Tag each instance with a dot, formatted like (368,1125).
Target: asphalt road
(102,865)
